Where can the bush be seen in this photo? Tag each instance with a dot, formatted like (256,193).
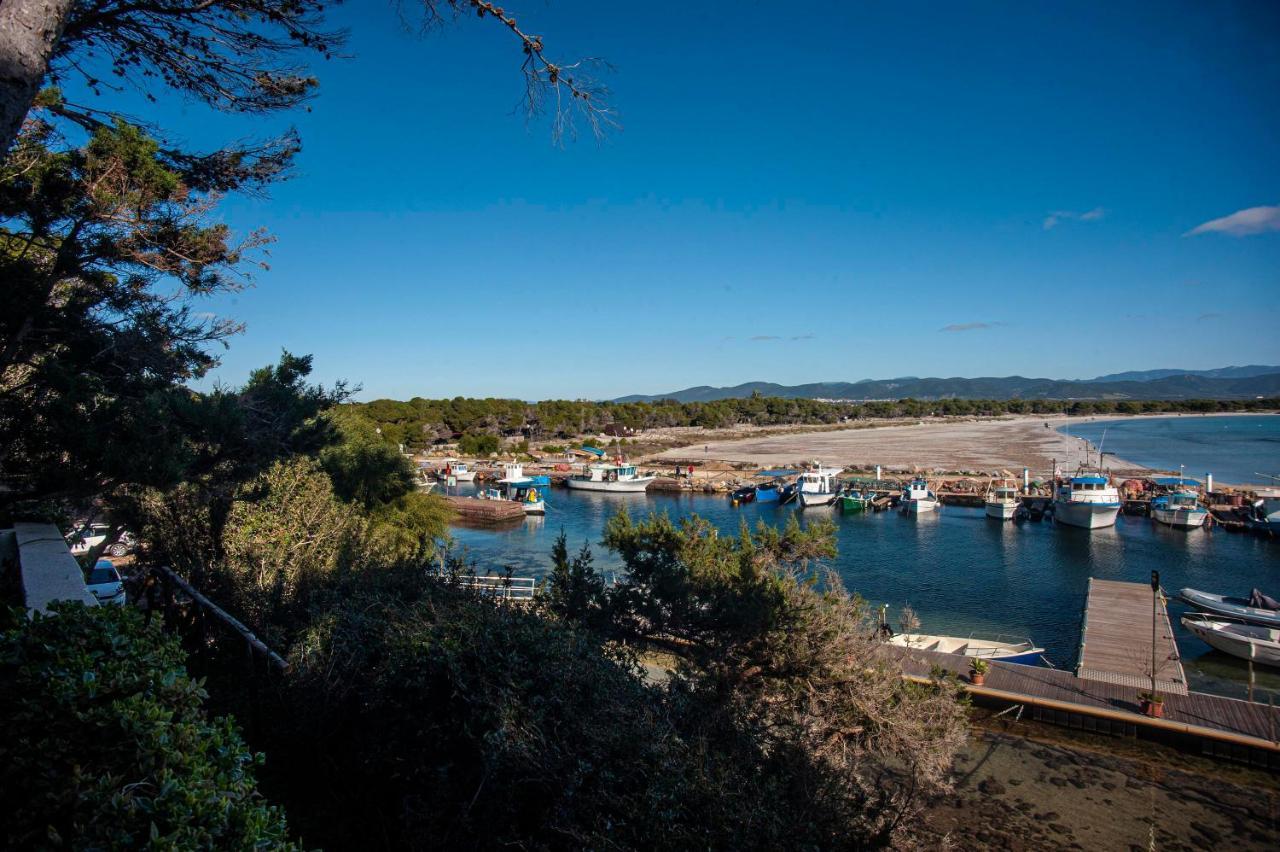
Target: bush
(478,445)
(106,743)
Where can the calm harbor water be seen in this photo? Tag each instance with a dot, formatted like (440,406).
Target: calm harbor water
(960,571)
(1234,449)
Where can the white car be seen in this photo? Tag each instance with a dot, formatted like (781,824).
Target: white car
(104,583)
(85,537)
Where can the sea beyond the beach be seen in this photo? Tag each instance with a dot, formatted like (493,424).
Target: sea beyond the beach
(1239,450)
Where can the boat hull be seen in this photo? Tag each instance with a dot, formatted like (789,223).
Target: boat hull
(853,505)
(1089,516)
(919,507)
(627,486)
(1257,644)
(1001,511)
(814,499)
(767,495)
(1182,519)
(1023,653)
(1235,608)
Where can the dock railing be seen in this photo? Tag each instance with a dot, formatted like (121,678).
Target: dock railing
(502,587)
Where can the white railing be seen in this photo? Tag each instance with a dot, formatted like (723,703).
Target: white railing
(503,588)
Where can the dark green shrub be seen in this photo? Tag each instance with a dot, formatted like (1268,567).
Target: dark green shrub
(478,445)
(106,744)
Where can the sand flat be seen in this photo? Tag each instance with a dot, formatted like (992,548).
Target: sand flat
(1010,443)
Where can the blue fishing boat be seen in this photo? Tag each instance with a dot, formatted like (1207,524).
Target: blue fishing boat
(776,488)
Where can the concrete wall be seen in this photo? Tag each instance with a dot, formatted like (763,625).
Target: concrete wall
(49,571)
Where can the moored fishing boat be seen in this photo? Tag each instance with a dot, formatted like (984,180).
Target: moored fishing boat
(787,493)
(1256,609)
(745,494)
(1002,650)
(1001,501)
(1246,641)
(604,476)
(1181,510)
(818,487)
(1086,500)
(917,498)
(852,502)
(769,492)
(529,491)
(459,470)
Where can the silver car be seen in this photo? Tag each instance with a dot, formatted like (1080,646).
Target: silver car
(104,583)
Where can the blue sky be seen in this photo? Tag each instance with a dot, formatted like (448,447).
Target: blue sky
(798,193)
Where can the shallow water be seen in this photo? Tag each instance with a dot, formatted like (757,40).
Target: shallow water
(959,570)
(1238,450)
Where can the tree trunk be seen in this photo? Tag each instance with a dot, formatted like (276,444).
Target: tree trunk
(29,31)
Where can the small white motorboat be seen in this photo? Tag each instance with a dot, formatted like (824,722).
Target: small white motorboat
(1002,501)
(818,487)
(617,478)
(1180,510)
(1255,609)
(917,498)
(459,470)
(1000,650)
(1246,641)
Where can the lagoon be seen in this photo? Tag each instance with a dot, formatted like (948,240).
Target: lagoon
(959,570)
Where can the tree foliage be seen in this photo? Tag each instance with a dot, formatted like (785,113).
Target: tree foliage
(106,743)
(422,422)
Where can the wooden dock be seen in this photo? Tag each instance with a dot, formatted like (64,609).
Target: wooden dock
(1214,724)
(1115,645)
(478,511)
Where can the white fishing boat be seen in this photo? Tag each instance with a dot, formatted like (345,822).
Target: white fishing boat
(818,487)
(917,498)
(1181,510)
(529,491)
(1002,501)
(1267,507)
(1086,500)
(606,476)
(999,649)
(459,470)
(1246,641)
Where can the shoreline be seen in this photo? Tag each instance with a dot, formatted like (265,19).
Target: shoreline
(996,445)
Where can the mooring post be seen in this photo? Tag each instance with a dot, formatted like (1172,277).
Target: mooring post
(1155,606)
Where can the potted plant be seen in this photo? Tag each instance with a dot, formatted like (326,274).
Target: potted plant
(1152,704)
(978,672)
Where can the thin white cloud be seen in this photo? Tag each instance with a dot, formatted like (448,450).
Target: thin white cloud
(1212,315)
(970,326)
(1057,217)
(766,337)
(1242,223)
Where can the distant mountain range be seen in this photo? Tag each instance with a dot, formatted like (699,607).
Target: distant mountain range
(1224,383)
(1221,373)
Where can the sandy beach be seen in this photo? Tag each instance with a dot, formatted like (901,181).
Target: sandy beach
(1008,443)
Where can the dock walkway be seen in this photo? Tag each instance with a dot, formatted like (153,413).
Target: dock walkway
(1061,697)
(1115,645)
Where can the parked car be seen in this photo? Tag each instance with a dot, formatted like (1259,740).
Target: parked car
(104,583)
(87,536)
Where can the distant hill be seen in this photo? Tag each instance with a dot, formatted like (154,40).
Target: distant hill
(1221,373)
(1174,386)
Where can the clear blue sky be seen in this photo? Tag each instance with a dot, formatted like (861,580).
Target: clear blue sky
(799,193)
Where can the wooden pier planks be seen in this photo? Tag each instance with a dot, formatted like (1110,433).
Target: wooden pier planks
(1116,645)
(485,511)
(1195,713)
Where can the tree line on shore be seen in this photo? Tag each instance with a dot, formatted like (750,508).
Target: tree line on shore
(420,422)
